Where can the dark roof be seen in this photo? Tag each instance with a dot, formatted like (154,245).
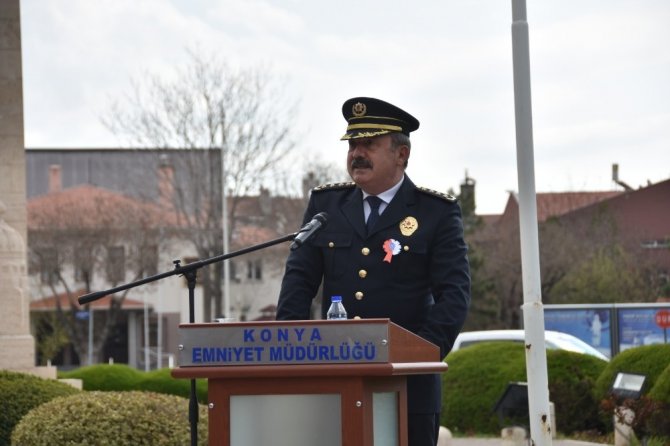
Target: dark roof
(555,204)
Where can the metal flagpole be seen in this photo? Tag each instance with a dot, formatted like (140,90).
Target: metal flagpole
(224,217)
(90,334)
(147,344)
(533,313)
(159,332)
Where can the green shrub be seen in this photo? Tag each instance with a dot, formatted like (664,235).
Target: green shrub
(110,418)
(652,408)
(106,377)
(478,376)
(19,393)
(161,381)
(571,380)
(657,422)
(661,390)
(123,377)
(649,360)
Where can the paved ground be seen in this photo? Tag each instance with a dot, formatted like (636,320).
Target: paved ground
(476,441)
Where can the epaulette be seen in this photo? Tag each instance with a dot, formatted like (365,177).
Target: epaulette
(334,186)
(441,195)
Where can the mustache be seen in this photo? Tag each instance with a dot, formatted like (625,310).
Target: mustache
(360,163)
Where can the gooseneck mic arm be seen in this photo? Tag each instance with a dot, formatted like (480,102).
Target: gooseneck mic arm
(181,270)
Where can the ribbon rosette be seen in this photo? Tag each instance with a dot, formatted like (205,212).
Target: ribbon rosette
(391,248)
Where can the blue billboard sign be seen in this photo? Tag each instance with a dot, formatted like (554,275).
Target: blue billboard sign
(611,328)
(591,325)
(637,326)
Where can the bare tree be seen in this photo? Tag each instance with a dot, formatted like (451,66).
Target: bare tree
(608,275)
(208,106)
(595,262)
(582,260)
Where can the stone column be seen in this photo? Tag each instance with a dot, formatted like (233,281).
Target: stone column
(17,346)
(12,156)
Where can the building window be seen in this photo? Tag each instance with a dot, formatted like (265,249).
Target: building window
(232,270)
(82,265)
(150,260)
(48,265)
(255,269)
(116,264)
(656,244)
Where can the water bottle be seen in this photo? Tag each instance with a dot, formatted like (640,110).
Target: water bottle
(336,310)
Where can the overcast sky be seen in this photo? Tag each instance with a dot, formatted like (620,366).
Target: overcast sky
(600,74)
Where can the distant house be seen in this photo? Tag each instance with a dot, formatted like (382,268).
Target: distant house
(121,202)
(549,205)
(85,238)
(640,217)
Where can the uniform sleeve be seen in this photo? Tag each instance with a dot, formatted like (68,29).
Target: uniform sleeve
(302,277)
(450,282)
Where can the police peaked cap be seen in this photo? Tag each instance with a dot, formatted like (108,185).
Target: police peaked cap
(368,117)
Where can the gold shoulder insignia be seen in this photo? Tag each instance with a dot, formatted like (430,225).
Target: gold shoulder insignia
(334,186)
(435,193)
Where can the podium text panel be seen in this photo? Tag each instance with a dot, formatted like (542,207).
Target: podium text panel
(293,378)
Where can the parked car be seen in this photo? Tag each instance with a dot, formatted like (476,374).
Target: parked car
(553,339)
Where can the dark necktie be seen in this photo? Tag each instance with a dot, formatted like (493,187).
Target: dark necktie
(374,203)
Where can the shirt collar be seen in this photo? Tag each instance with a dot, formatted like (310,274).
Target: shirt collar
(388,194)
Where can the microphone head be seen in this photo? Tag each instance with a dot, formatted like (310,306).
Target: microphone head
(322,217)
(317,223)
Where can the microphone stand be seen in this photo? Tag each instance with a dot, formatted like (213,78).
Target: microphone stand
(189,271)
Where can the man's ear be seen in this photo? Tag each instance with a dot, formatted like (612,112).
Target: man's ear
(403,153)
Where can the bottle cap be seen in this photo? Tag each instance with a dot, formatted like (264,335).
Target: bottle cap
(336,299)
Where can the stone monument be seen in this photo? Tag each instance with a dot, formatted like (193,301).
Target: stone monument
(17,346)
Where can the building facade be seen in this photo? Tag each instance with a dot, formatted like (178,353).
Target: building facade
(99,218)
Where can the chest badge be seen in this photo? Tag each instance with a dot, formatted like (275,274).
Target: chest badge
(408,226)
(391,248)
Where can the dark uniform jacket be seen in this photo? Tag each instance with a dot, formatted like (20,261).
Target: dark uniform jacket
(425,287)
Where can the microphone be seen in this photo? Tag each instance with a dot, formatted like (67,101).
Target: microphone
(318,222)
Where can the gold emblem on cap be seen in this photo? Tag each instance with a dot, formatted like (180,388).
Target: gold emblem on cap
(408,226)
(359,109)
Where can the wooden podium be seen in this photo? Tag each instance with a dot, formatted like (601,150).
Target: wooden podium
(306,383)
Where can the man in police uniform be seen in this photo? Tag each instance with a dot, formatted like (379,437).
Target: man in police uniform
(390,249)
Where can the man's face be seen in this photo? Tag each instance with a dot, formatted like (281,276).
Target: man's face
(374,164)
